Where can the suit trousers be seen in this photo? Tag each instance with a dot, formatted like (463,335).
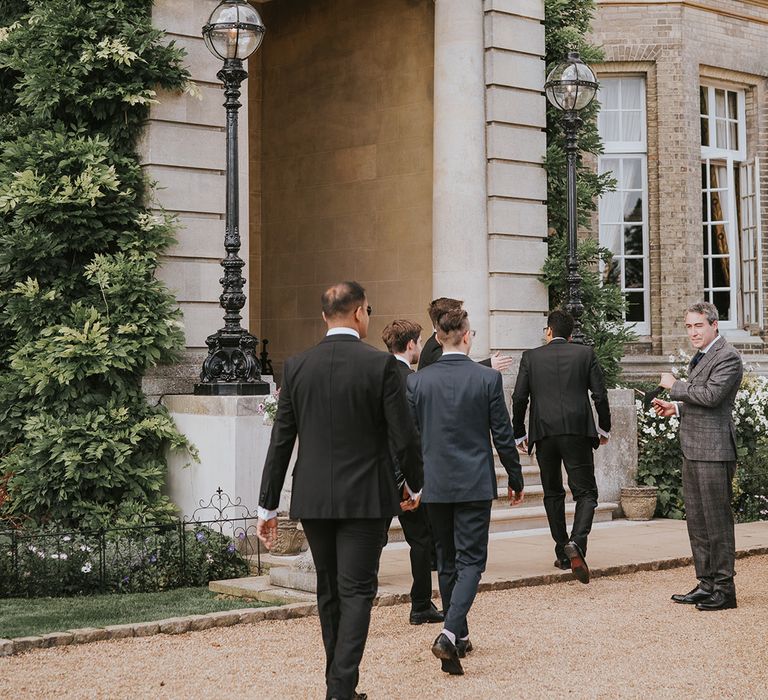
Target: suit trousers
(575,452)
(707,491)
(461,539)
(417,535)
(346,555)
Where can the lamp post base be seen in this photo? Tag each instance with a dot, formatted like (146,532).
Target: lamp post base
(232,389)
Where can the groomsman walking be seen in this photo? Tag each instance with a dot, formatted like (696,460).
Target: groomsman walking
(704,404)
(403,340)
(344,401)
(557,378)
(458,405)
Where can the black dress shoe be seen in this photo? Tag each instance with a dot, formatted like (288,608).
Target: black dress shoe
(356,696)
(446,651)
(564,564)
(695,596)
(431,614)
(578,564)
(463,647)
(718,601)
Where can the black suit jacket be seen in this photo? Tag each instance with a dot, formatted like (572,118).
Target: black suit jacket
(345,402)
(433,351)
(458,405)
(557,377)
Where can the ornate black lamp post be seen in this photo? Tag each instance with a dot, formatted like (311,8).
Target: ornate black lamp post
(570,87)
(233,32)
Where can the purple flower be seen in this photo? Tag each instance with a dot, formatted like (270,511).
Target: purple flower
(125,579)
(152,559)
(240,535)
(200,537)
(231,548)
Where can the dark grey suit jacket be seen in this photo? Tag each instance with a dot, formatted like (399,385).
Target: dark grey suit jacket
(707,432)
(458,405)
(557,378)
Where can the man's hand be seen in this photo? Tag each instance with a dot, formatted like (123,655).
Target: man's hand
(267,531)
(409,502)
(501,362)
(603,440)
(522,448)
(515,497)
(667,380)
(663,408)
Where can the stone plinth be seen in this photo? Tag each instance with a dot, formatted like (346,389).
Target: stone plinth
(232,442)
(616,462)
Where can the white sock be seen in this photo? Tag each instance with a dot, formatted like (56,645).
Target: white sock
(450,636)
(464,639)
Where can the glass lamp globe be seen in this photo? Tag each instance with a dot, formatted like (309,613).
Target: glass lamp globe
(571,85)
(234,30)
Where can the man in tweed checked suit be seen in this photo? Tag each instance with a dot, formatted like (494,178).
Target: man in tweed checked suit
(704,404)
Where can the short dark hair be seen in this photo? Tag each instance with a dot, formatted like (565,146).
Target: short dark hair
(440,305)
(560,323)
(705,308)
(342,299)
(398,334)
(451,326)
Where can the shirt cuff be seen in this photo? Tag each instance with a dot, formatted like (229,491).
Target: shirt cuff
(521,440)
(602,433)
(413,495)
(265,514)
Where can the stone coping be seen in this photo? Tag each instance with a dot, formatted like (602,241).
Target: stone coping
(227,618)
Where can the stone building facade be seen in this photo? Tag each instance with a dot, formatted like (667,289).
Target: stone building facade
(688,80)
(400,143)
(396,142)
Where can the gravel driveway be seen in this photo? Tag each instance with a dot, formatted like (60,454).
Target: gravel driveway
(615,638)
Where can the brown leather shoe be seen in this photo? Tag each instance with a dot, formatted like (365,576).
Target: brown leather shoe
(578,564)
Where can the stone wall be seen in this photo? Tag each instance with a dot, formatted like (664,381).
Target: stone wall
(346,162)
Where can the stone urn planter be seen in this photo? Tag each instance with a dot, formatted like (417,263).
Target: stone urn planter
(639,502)
(290,538)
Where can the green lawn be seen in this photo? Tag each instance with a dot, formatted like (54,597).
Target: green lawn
(21,617)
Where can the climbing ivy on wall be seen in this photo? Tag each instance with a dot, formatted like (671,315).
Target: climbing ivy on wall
(82,315)
(566,26)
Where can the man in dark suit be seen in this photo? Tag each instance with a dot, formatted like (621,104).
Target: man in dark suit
(403,340)
(345,402)
(556,378)
(458,405)
(432,349)
(704,404)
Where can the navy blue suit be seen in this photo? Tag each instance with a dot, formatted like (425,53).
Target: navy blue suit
(458,405)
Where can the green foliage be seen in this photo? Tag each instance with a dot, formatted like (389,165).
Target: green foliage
(566,24)
(660,459)
(82,315)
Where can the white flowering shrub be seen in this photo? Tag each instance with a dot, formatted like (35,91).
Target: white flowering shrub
(660,458)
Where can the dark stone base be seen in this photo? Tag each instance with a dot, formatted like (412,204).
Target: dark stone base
(232,389)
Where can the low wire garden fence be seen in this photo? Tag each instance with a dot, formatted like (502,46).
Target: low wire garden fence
(217,542)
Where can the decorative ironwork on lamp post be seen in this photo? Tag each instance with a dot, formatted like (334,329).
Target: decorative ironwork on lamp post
(571,86)
(233,32)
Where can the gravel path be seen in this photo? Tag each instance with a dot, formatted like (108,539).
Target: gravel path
(616,638)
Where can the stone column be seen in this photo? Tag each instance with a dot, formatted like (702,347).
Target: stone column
(459,215)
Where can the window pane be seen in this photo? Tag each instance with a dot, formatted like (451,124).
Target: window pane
(635,307)
(609,93)
(733,110)
(722,300)
(611,127)
(633,240)
(632,127)
(733,135)
(707,249)
(704,207)
(721,275)
(632,174)
(612,272)
(631,93)
(704,100)
(633,206)
(633,273)
(720,134)
(610,165)
(610,237)
(704,131)
(610,208)
(719,103)
(707,285)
